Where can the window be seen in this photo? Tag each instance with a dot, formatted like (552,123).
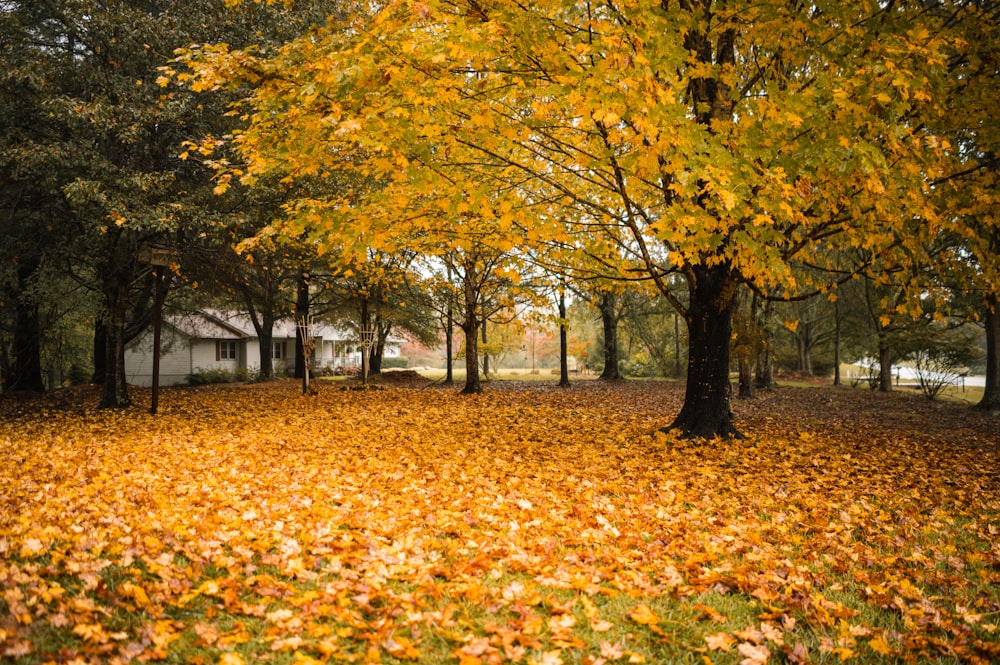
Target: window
(278,350)
(226,350)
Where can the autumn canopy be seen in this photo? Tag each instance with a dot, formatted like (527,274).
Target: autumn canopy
(782,147)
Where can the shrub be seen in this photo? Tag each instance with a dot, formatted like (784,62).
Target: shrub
(203,376)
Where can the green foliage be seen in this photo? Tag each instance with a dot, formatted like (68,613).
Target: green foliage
(207,376)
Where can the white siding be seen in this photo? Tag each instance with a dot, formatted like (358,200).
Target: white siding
(203,356)
(175,359)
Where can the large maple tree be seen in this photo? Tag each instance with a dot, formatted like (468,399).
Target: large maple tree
(731,141)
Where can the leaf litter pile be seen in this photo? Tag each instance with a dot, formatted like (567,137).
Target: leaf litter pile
(529,524)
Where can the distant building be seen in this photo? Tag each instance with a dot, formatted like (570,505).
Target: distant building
(207,340)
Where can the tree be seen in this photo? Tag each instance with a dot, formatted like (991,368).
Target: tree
(729,141)
(383,294)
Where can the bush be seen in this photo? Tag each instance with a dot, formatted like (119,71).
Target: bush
(395,363)
(203,377)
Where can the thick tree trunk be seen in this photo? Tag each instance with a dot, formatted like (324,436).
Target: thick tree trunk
(26,370)
(266,335)
(609,321)
(472,384)
(378,351)
(884,365)
(375,359)
(991,396)
(706,413)
(563,343)
(115,394)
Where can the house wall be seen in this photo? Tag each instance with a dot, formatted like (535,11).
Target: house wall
(251,357)
(203,357)
(175,359)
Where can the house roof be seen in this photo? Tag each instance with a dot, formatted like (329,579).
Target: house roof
(220,324)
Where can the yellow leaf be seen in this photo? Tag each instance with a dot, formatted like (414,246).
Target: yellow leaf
(643,615)
(879,645)
(231,659)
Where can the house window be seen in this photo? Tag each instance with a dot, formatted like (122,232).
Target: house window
(227,350)
(278,350)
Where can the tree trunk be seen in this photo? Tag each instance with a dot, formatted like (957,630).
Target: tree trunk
(375,358)
(884,365)
(301,314)
(449,334)
(804,343)
(991,396)
(100,350)
(470,326)
(609,321)
(449,345)
(706,413)
(678,371)
(836,343)
(115,394)
(486,355)
(563,342)
(263,324)
(746,379)
(266,336)
(26,372)
(764,371)
(378,350)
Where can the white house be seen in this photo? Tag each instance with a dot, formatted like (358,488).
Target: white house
(206,340)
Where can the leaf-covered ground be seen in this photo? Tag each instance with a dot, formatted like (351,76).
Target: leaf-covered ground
(529,525)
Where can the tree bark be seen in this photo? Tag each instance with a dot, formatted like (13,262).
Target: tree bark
(26,372)
(100,350)
(449,333)
(746,379)
(449,336)
(609,320)
(764,371)
(470,326)
(563,342)
(804,344)
(706,412)
(884,365)
(301,313)
(991,395)
(378,351)
(678,371)
(115,394)
(836,343)
(486,355)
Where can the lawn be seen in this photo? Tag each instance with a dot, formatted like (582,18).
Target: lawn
(530,524)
